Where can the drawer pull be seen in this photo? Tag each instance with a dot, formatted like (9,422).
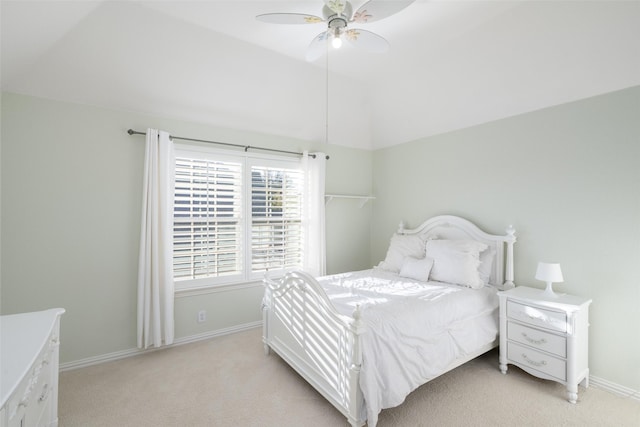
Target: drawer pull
(22,404)
(44,394)
(534,316)
(534,341)
(533,362)
(539,317)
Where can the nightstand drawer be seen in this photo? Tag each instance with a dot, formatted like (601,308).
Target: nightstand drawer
(539,361)
(554,320)
(538,339)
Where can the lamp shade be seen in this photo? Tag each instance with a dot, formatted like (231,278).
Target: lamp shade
(549,272)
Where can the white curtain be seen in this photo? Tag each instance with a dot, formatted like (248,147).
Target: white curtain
(315,243)
(155,272)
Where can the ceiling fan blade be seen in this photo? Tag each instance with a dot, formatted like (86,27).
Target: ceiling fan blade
(338,6)
(289,18)
(367,40)
(317,47)
(374,10)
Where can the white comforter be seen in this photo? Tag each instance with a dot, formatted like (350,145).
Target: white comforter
(414,330)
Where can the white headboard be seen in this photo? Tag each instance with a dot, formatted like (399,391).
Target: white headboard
(454,227)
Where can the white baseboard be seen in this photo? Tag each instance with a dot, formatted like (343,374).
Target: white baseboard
(614,388)
(109,357)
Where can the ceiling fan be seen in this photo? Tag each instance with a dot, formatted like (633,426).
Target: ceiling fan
(338,14)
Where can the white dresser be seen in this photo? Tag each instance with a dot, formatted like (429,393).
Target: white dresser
(29,348)
(546,337)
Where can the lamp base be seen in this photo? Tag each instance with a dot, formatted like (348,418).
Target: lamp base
(548,292)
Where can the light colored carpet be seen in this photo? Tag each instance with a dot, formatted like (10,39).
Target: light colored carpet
(228,381)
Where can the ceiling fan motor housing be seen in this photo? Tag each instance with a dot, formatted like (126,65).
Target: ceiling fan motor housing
(337,21)
(337,26)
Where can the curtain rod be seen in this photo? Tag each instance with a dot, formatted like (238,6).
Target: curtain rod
(246,147)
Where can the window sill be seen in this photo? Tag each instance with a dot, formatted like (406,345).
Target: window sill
(211,289)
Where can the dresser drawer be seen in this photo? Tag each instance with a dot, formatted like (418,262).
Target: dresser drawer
(30,356)
(39,402)
(537,360)
(16,406)
(536,316)
(32,396)
(538,339)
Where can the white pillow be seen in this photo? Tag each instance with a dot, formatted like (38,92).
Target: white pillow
(456,261)
(400,247)
(417,269)
(486,263)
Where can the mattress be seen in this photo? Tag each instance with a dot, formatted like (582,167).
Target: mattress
(414,330)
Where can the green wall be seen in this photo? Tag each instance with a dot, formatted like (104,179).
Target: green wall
(70,222)
(567,178)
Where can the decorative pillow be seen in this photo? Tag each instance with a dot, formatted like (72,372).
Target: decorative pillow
(486,263)
(400,247)
(417,269)
(456,261)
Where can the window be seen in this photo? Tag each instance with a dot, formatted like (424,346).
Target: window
(235,217)
(276,218)
(207,218)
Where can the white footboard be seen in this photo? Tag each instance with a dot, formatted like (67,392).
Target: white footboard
(303,328)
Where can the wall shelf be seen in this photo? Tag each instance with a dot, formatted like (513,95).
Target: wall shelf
(363,199)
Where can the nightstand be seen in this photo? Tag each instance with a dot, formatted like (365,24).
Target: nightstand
(546,337)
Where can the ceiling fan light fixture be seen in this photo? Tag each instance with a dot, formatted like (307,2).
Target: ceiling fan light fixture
(336,40)
(337,26)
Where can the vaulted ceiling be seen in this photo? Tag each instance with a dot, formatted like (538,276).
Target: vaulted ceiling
(452,64)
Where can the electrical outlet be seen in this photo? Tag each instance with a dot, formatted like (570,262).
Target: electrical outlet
(202,316)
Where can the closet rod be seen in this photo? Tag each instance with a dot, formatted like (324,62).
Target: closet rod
(246,147)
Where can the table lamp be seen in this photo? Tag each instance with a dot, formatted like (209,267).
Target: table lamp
(549,272)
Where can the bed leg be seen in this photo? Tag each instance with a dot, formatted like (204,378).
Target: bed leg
(265,323)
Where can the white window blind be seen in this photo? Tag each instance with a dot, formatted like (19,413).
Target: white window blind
(208,231)
(235,217)
(276,228)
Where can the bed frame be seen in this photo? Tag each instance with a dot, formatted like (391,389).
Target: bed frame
(301,325)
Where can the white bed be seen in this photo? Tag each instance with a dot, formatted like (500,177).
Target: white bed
(366,339)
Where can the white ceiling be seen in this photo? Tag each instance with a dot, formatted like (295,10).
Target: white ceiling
(452,64)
